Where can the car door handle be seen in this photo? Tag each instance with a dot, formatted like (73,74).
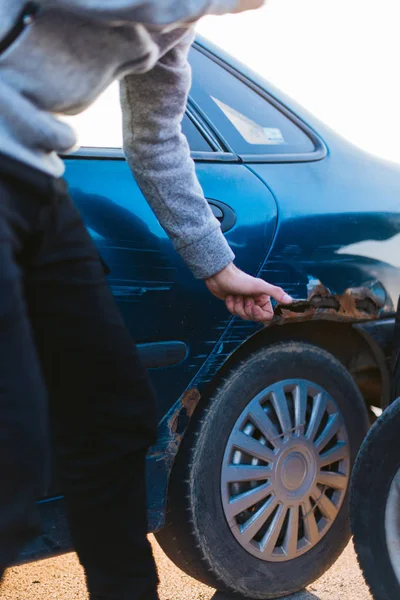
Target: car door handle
(223,213)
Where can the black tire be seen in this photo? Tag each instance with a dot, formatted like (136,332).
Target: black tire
(376,465)
(196,536)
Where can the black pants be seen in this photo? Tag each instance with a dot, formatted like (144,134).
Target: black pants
(69,371)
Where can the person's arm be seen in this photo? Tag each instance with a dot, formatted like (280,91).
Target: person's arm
(156,13)
(153,106)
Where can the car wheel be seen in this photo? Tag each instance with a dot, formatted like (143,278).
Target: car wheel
(258,499)
(375,506)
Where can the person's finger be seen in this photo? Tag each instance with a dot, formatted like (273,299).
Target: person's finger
(262,301)
(248,306)
(235,305)
(262,314)
(263,288)
(258,313)
(230,304)
(239,308)
(239,300)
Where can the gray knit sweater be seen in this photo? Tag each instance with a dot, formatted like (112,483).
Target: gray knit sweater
(57,56)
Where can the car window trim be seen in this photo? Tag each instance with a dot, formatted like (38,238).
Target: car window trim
(89,152)
(320,150)
(221,140)
(218,152)
(203,127)
(221,152)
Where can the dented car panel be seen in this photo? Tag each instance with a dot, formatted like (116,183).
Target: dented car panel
(350,240)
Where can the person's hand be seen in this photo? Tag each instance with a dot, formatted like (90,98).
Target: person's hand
(246,296)
(244,5)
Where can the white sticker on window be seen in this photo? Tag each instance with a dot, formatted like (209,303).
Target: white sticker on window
(251,131)
(274,135)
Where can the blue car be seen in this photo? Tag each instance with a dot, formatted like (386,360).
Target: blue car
(258,426)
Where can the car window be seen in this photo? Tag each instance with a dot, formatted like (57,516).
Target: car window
(196,141)
(249,123)
(100,126)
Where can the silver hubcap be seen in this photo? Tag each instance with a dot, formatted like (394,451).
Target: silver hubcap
(392,524)
(285,470)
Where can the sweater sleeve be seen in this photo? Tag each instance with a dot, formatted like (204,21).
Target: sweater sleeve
(153,105)
(156,13)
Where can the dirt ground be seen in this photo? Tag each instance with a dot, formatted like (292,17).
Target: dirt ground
(62,579)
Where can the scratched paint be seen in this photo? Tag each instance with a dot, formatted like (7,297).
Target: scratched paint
(162,456)
(130,292)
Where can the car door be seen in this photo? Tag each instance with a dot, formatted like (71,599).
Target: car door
(170,314)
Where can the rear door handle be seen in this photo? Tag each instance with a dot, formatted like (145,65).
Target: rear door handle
(223,213)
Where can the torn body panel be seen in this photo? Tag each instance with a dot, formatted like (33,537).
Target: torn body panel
(162,456)
(368,302)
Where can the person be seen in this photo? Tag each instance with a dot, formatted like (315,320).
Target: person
(69,371)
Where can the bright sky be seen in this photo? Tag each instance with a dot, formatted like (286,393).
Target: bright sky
(339,58)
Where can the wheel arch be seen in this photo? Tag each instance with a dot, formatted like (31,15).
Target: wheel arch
(353,344)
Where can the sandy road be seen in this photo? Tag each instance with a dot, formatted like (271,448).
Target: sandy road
(62,579)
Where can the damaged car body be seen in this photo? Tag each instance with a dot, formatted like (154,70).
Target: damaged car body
(307,211)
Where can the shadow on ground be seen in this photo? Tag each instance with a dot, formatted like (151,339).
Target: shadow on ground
(304,595)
